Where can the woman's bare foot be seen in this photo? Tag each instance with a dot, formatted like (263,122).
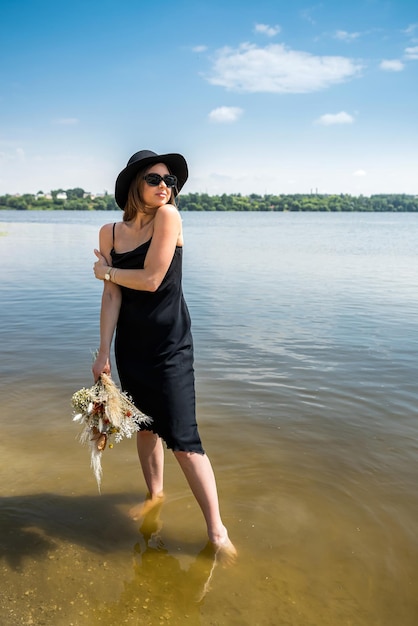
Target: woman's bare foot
(143,508)
(151,526)
(225,551)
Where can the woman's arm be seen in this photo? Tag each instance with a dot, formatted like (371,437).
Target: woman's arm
(109,313)
(167,230)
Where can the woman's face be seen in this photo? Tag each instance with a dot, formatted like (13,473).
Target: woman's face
(156,196)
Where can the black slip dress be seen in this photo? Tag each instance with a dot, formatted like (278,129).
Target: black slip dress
(154,352)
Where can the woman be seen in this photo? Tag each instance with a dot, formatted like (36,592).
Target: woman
(140,262)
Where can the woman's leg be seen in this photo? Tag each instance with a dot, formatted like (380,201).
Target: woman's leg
(199,474)
(151,456)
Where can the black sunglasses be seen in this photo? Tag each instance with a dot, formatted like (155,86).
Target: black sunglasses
(153,180)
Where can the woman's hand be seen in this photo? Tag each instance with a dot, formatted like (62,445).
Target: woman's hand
(101,365)
(101,266)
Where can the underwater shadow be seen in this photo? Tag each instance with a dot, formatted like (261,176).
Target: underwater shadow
(29,524)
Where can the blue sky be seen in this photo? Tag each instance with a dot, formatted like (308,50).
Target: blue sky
(260,96)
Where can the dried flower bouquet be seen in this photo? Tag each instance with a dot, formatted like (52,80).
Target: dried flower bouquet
(107,415)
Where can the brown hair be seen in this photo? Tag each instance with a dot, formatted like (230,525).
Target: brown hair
(135,203)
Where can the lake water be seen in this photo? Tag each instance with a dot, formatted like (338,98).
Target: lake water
(306,339)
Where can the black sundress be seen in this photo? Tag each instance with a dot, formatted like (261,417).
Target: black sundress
(154,352)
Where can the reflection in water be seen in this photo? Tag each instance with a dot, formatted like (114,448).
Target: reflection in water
(172,592)
(161,591)
(150,530)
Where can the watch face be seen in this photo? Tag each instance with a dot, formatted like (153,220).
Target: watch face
(107,276)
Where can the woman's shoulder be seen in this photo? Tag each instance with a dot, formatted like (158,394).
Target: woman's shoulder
(108,227)
(106,235)
(167,217)
(107,230)
(168,212)
(168,220)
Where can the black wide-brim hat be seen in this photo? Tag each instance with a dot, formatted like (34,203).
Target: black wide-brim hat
(176,163)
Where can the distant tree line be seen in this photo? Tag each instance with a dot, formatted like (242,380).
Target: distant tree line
(298,202)
(59,199)
(79,200)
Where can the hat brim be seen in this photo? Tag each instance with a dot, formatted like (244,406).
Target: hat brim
(176,163)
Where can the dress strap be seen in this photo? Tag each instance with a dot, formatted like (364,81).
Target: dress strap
(114,224)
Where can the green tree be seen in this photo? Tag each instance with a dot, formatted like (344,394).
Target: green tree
(76,193)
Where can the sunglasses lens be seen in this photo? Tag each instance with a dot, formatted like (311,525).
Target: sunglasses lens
(154,180)
(170,180)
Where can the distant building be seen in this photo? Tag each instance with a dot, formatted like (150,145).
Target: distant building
(47,196)
(94,195)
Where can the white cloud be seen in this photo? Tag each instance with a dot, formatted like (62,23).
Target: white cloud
(225,114)
(359,173)
(345,36)
(335,118)
(66,121)
(200,49)
(411,29)
(276,69)
(392,65)
(411,53)
(265,29)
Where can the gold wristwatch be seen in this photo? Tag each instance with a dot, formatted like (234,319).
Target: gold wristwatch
(107,276)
